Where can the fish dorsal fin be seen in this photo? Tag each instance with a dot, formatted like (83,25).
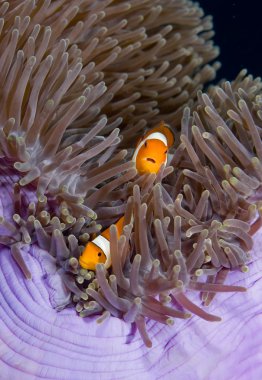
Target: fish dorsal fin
(163,128)
(120,225)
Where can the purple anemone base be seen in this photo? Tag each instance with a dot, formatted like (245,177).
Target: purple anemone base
(39,342)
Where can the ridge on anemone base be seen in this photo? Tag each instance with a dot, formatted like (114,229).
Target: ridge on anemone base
(80,83)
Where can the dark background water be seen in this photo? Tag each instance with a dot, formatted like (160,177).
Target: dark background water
(238,28)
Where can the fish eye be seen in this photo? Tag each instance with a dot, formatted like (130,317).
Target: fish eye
(99,254)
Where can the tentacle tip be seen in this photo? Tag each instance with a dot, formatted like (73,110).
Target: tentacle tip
(244,268)
(149,344)
(100,267)
(29,276)
(170,322)
(137,300)
(242,289)
(22,182)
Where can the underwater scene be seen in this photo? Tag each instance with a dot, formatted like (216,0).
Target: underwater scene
(130,190)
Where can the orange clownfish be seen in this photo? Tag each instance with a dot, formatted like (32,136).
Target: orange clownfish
(152,148)
(98,250)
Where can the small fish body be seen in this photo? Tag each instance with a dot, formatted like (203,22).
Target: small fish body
(152,149)
(98,250)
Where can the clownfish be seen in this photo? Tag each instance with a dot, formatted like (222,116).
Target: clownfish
(152,148)
(97,251)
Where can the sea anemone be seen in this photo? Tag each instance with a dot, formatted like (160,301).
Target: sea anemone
(81,81)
